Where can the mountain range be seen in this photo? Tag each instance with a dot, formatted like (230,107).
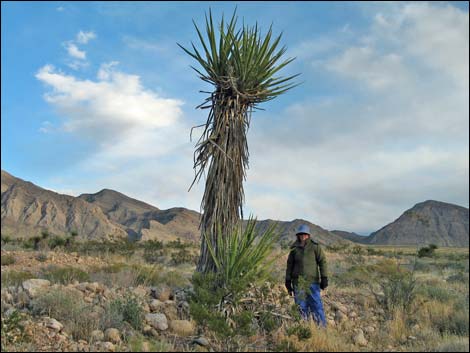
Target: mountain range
(27,210)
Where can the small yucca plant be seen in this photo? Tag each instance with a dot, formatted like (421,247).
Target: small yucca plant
(242,65)
(243,257)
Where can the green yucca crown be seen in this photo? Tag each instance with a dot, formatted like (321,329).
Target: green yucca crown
(243,63)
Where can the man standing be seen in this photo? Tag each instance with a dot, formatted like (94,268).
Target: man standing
(307,262)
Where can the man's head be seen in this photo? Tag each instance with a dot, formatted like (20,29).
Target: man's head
(303,232)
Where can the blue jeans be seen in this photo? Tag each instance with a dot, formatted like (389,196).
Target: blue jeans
(310,303)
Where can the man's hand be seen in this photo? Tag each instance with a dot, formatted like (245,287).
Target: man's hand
(323,282)
(289,287)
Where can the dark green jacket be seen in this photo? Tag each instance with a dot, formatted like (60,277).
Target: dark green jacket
(308,261)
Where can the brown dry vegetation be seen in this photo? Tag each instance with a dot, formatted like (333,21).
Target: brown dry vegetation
(359,319)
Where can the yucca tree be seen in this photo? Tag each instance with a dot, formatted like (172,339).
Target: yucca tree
(241,64)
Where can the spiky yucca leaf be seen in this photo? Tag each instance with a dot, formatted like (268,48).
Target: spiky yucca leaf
(243,256)
(244,61)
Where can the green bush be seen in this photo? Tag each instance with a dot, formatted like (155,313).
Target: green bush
(65,275)
(15,278)
(427,251)
(301,331)
(12,329)
(8,260)
(5,239)
(183,256)
(136,345)
(68,307)
(393,286)
(119,310)
(459,277)
(434,292)
(56,241)
(152,256)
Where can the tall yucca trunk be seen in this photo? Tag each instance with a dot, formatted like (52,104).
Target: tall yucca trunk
(223,196)
(241,68)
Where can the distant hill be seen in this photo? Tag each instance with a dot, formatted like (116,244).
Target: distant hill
(27,209)
(144,221)
(288,229)
(356,238)
(429,222)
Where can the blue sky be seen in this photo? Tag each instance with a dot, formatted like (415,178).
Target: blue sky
(98,95)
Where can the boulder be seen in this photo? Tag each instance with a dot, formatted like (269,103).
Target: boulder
(162,293)
(53,324)
(158,321)
(112,335)
(34,286)
(359,338)
(155,305)
(97,336)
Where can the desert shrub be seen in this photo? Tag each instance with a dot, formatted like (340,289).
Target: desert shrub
(57,241)
(177,244)
(427,251)
(422,266)
(12,329)
(65,275)
(300,330)
(112,316)
(15,278)
(393,286)
(5,239)
(337,247)
(152,245)
(152,256)
(459,277)
(136,344)
(41,257)
(285,345)
(358,250)
(183,256)
(131,311)
(448,319)
(32,243)
(57,303)
(8,260)
(68,307)
(456,344)
(127,309)
(435,292)
(371,251)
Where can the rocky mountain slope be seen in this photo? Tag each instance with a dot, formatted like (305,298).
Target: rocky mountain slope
(27,209)
(429,222)
(144,221)
(288,229)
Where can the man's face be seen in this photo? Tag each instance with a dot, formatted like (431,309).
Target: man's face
(303,237)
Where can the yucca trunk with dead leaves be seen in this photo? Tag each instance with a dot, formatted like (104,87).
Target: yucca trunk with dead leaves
(241,69)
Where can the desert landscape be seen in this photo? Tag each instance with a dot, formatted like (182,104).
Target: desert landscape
(66,291)
(224,176)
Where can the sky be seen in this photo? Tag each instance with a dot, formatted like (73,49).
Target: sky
(99,95)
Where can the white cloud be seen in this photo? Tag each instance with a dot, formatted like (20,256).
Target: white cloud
(85,37)
(107,109)
(396,136)
(74,52)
